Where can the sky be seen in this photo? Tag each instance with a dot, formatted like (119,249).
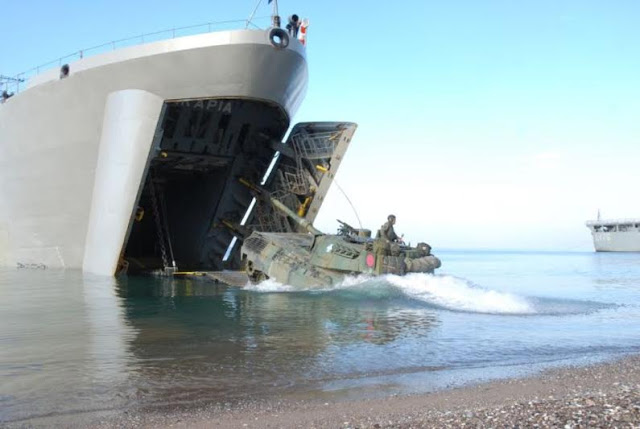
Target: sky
(488,124)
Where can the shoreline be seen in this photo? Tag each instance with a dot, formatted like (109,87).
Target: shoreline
(599,395)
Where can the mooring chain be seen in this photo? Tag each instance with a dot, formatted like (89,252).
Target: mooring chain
(158,221)
(163,206)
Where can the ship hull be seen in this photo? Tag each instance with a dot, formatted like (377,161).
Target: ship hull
(615,235)
(627,241)
(75,153)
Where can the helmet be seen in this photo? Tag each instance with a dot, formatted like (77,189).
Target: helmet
(391,217)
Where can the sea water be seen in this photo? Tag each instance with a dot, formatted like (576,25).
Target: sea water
(72,343)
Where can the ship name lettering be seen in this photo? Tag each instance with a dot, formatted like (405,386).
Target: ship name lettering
(217,105)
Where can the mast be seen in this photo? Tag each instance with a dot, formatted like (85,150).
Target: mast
(275,18)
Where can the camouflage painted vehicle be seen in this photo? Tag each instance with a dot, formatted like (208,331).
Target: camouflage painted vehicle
(315,259)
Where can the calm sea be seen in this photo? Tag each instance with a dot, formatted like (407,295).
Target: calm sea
(71,343)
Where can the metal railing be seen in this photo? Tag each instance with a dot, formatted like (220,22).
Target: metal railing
(13,83)
(632,220)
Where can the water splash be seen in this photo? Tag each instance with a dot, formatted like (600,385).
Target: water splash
(442,291)
(269,285)
(354,281)
(460,295)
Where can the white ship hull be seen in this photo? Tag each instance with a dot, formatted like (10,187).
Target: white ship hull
(615,235)
(74,152)
(617,241)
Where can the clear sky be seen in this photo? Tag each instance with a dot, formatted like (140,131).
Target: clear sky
(482,124)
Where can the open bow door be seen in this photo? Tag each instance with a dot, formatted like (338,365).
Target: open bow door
(305,168)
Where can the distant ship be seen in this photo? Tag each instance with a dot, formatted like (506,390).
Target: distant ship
(131,159)
(615,235)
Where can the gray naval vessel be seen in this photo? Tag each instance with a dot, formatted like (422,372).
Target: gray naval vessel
(615,235)
(129,160)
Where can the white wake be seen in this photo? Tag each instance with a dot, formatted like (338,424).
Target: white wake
(457,294)
(269,285)
(447,292)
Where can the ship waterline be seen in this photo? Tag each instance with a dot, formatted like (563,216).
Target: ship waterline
(134,156)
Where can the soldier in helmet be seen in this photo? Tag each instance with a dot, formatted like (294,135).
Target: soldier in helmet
(387,231)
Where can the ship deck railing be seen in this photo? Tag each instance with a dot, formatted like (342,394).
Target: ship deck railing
(13,84)
(614,225)
(620,221)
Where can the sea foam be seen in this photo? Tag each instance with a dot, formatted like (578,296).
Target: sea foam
(460,295)
(448,292)
(269,285)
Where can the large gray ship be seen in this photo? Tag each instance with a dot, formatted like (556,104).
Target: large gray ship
(615,235)
(131,159)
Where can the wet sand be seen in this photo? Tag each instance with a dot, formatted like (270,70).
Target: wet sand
(602,395)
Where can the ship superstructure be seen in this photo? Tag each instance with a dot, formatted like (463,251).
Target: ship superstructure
(132,158)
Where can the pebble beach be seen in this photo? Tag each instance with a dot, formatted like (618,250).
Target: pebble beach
(604,395)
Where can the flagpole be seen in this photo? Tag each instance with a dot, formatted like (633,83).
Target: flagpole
(275,18)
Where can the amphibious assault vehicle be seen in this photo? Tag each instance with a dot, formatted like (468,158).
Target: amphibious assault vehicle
(316,259)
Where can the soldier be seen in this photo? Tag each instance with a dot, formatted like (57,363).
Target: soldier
(387,231)
(293,25)
(5,96)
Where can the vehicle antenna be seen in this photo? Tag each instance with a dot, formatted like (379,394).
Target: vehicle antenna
(349,201)
(325,170)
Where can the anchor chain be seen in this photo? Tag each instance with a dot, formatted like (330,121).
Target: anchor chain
(163,207)
(158,221)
